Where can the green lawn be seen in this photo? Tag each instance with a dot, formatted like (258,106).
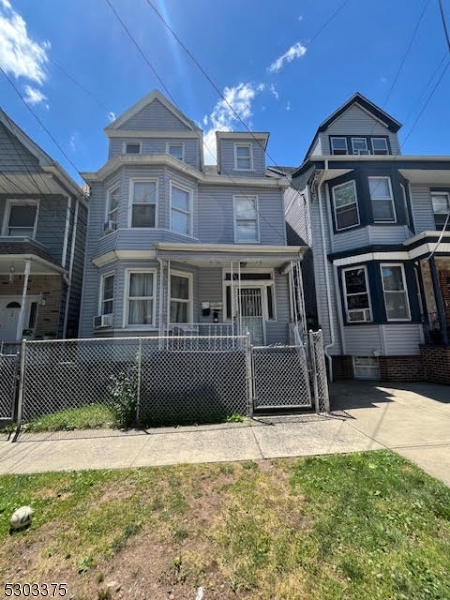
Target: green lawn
(363,526)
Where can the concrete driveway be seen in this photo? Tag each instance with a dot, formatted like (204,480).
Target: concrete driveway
(411,418)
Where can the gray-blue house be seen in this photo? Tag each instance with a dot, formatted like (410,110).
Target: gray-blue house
(373,219)
(43,215)
(176,246)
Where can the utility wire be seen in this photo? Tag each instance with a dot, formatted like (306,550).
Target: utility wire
(444,24)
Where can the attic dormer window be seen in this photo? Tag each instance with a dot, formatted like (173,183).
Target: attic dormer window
(380,146)
(339,145)
(243,157)
(359,146)
(132,148)
(175,150)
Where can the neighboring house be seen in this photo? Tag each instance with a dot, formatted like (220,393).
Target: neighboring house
(373,219)
(175,246)
(43,215)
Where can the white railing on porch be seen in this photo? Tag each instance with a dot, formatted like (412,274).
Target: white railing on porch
(200,329)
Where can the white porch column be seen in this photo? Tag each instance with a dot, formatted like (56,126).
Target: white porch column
(20,324)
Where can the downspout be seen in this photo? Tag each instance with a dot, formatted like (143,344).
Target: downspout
(72,256)
(66,232)
(21,319)
(161,283)
(327,279)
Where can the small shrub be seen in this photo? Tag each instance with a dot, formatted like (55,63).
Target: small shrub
(123,398)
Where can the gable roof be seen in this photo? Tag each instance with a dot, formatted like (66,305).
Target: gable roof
(43,158)
(145,101)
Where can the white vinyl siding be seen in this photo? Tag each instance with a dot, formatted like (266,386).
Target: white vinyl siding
(395,292)
(382,199)
(345,203)
(180,209)
(246,230)
(356,295)
(143,207)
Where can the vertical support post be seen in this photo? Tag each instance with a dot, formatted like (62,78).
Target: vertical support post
(232,297)
(423,299)
(23,357)
(139,375)
(312,358)
(21,320)
(439,301)
(250,375)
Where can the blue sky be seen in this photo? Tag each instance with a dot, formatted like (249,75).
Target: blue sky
(284,67)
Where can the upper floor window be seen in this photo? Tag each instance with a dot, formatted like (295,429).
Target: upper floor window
(246,219)
(180,210)
(382,200)
(176,150)
(243,157)
(441,207)
(107,294)
(339,145)
(143,203)
(356,294)
(380,146)
(112,208)
(395,293)
(180,298)
(359,146)
(140,300)
(345,203)
(20,218)
(132,148)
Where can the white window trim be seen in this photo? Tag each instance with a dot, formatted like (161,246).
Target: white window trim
(169,144)
(436,193)
(235,219)
(359,139)
(243,145)
(344,289)
(335,187)
(18,202)
(190,300)
(134,180)
(125,325)
(125,144)
(385,143)
(183,212)
(405,290)
(109,192)
(101,291)
(338,137)
(394,219)
(256,283)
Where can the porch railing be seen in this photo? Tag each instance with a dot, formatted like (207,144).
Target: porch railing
(432,329)
(200,329)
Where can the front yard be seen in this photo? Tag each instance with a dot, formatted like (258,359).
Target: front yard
(362,526)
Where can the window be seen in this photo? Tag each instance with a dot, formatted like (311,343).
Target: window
(180,210)
(382,201)
(356,294)
(359,146)
(180,298)
(246,219)
(243,157)
(21,217)
(339,145)
(140,301)
(112,202)
(405,205)
(395,294)
(132,148)
(107,294)
(175,150)
(380,146)
(441,208)
(143,209)
(345,205)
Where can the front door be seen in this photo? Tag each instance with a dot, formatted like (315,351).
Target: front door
(250,313)
(9,319)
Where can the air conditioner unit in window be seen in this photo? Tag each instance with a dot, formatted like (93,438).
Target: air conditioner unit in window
(362,152)
(109,226)
(102,321)
(359,316)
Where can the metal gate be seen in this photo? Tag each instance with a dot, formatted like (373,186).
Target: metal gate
(280,378)
(8,380)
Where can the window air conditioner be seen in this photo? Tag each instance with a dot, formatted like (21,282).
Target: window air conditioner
(363,152)
(359,316)
(102,321)
(109,226)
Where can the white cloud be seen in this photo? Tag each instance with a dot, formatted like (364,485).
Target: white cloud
(273,90)
(34,96)
(20,56)
(288,106)
(236,106)
(72,141)
(295,51)
(111,117)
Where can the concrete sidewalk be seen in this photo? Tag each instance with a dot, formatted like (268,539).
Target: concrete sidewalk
(412,419)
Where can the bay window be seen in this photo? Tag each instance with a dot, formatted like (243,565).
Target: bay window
(395,292)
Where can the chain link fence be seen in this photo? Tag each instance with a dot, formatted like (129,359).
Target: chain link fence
(8,373)
(174,379)
(319,371)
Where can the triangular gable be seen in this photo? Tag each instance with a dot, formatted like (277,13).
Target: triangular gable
(13,136)
(366,105)
(153,113)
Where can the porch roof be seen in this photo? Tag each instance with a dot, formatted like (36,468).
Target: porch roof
(14,254)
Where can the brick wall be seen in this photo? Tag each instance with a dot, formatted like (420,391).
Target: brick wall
(437,363)
(402,368)
(342,367)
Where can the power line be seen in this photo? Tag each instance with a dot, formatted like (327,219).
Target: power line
(444,24)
